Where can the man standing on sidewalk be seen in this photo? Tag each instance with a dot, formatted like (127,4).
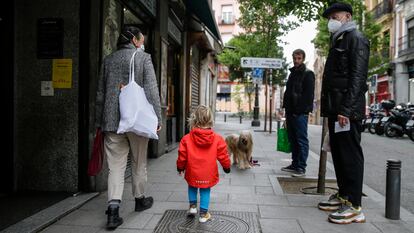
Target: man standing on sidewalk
(298,103)
(343,102)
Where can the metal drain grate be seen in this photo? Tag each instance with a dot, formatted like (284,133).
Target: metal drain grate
(176,221)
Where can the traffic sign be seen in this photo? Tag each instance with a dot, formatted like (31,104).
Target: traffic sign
(259,62)
(258,72)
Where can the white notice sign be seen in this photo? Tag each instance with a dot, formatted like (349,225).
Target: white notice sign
(46,88)
(259,62)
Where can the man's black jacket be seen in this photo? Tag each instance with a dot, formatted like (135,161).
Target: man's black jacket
(345,76)
(298,97)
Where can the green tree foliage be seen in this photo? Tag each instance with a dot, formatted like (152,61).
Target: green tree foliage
(236,96)
(249,45)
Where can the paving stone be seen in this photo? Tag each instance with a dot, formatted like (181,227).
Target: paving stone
(157,195)
(305,200)
(264,190)
(136,220)
(393,227)
(84,218)
(231,189)
(318,226)
(214,197)
(161,207)
(234,207)
(70,229)
(283,212)
(280,226)
(251,182)
(258,199)
(153,222)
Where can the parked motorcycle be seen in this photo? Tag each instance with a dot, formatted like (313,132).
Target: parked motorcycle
(386,105)
(410,128)
(396,125)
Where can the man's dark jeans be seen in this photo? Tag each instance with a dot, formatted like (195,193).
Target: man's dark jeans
(297,126)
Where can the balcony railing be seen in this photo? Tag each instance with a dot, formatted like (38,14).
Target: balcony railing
(405,46)
(226,19)
(382,8)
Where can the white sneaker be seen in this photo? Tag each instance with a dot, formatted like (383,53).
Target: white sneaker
(204,217)
(347,214)
(192,211)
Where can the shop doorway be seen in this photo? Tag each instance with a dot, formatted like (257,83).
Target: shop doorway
(173,96)
(7,74)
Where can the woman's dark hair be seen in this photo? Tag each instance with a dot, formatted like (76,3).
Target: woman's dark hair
(127,34)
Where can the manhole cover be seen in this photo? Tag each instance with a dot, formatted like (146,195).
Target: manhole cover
(176,221)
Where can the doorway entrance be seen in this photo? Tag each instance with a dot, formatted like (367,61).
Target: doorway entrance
(7,74)
(173,96)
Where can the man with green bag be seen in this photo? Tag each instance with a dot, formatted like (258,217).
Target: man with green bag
(298,103)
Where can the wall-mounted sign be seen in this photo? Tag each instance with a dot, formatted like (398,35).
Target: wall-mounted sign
(174,32)
(46,88)
(62,73)
(49,38)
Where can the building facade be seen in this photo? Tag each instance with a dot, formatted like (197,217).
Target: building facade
(229,93)
(382,83)
(54,51)
(404,51)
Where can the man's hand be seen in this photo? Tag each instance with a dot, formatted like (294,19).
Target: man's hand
(343,120)
(159,128)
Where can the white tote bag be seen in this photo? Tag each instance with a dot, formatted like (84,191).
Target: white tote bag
(137,114)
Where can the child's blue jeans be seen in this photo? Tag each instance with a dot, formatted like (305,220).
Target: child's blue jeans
(204,197)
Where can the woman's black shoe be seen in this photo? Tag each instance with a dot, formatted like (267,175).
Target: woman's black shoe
(113,218)
(143,203)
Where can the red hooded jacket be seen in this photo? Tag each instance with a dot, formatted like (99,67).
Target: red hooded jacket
(198,154)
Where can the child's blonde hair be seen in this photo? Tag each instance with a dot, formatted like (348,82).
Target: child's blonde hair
(201,117)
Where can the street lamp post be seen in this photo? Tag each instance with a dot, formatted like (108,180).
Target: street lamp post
(256,121)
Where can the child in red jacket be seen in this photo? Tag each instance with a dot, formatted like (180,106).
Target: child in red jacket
(197,155)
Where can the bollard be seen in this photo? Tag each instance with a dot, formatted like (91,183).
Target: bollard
(393,190)
(240,119)
(225,117)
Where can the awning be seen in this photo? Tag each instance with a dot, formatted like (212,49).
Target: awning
(202,9)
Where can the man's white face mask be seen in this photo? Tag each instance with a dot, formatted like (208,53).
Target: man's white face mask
(334,25)
(142,47)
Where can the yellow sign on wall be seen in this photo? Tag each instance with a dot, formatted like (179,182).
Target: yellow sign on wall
(62,73)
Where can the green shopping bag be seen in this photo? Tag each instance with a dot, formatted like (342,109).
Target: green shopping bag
(283,144)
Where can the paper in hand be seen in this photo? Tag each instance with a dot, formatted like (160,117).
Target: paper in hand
(338,128)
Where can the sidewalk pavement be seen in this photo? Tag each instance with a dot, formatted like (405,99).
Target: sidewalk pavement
(255,190)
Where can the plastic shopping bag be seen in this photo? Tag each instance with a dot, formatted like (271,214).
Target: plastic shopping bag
(283,144)
(137,114)
(96,161)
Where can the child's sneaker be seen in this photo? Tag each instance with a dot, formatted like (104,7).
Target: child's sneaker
(204,217)
(192,211)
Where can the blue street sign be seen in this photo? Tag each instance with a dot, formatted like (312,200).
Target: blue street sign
(257,72)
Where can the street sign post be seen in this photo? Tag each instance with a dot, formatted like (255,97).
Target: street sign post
(260,62)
